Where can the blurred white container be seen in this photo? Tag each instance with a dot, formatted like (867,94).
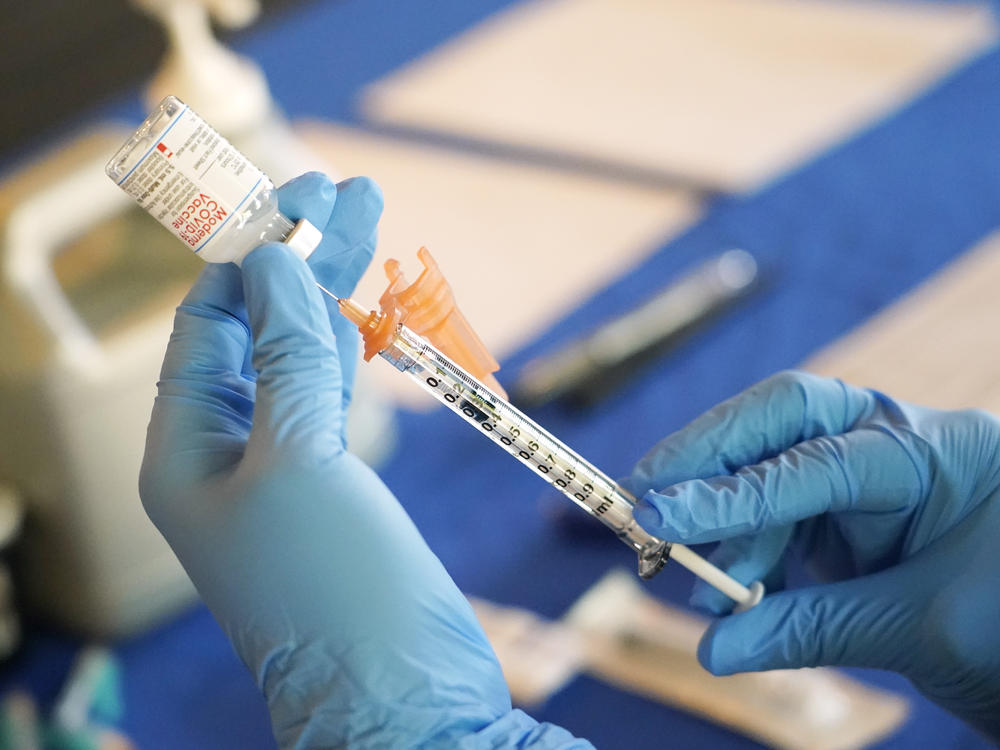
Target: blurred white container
(77,379)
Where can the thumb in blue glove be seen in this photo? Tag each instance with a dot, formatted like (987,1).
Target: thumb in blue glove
(894,509)
(352,628)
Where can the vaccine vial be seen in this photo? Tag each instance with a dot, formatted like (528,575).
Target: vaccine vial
(202,189)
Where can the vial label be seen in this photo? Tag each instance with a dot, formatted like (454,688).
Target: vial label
(192,180)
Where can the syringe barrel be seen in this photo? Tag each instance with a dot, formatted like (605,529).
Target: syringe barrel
(528,442)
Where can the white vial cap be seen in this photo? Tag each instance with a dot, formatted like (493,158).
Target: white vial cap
(303,239)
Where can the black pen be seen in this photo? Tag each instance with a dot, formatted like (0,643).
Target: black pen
(591,368)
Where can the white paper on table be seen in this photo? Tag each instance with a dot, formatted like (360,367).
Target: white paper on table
(618,633)
(726,92)
(938,346)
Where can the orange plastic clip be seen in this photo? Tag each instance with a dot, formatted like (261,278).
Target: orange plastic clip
(427,307)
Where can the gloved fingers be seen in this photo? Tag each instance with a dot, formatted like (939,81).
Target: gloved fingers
(205,361)
(864,622)
(210,333)
(188,443)
(349,236)
(347,214)
(310,196)
(299,412)
(757,557)
(759,423)
(202,413)
(863,470)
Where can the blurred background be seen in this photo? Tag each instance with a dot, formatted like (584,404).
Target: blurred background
(591,158)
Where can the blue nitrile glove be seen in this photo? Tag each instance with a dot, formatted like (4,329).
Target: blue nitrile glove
(352,628)
(894,508)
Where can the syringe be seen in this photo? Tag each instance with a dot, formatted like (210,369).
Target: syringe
(536,448)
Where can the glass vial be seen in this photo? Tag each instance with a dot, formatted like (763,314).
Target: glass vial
(201,188)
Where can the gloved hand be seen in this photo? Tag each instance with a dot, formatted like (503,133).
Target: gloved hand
(352,628)
(894,508)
